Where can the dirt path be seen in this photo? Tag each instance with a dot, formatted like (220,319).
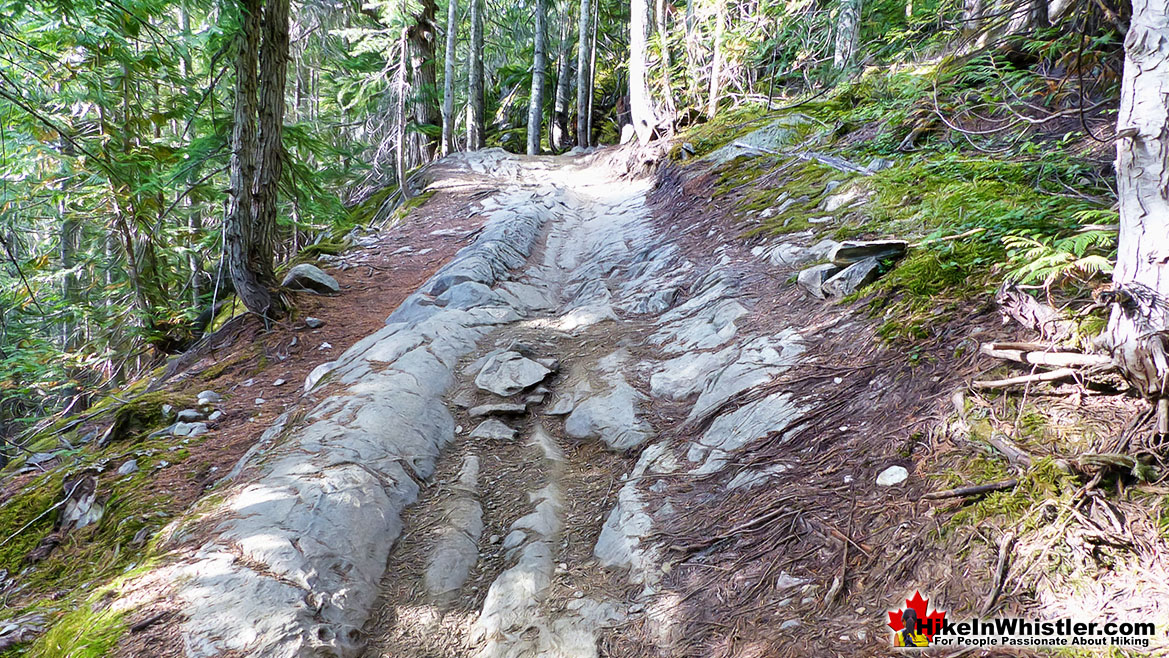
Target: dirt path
(605,426)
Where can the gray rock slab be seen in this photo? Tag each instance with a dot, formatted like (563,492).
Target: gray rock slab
(611,417)
(683,376)
(759,361)
(493,430)
(509,373)
(853,277)
(852,251)
(311,278)
(499,409)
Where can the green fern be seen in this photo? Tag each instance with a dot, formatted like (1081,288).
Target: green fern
(1057,260)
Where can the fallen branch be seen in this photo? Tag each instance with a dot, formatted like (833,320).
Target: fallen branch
(1000,572)
(1011,352)
(1051,375)
(1012,452)
(974,490)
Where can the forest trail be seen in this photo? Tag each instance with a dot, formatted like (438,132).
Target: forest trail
(554,443)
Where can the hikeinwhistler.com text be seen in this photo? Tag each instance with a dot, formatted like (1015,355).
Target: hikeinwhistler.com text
(1020,632)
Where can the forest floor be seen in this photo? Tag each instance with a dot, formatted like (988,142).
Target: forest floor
(695,468)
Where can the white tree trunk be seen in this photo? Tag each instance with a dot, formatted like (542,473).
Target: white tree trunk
(475,80)
(640,104)
(583,89)
(539,75)
(848,24)
(1140,314)
(448,82)
(716,60)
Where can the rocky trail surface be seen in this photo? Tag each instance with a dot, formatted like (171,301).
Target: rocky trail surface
(604,427)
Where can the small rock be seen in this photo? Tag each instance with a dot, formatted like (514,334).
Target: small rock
(314,323)
(248,383)
(791,623)
(493,539)
(493,430)
(458,429)
(812,279)
(294,342)
(503,408)
(325,346)
(278,382)
(128,468)
(260,401)
(209,397)
(464,399)
(892,475)
(310,278)
(190,416)
(534,398)
(141,536)
(509,373)
(168,410)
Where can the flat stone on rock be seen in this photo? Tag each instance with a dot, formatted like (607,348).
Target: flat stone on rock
(189,429)
(812,279)
(852,278)
(852,251)
(509,373)
(190,416)
(493,430)
(310,278)
(209,397)
(501,409)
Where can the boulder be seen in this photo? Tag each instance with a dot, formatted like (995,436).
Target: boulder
(310,278)
(851,278)
(812,279)
(509,373)
(853,251)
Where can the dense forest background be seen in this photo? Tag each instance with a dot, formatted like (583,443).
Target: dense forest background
(119,120)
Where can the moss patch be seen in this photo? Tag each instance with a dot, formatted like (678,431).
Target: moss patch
(83,633)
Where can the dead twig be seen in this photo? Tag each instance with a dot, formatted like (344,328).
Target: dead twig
(1050,376)
(1000,572)
(974,490)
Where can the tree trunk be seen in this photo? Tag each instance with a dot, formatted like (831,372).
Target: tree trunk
(1140,314)
(640,104)
(423,38)
(716,62)
(559,138)
(475,84)
(448,80)
(583,90)
(244,161)
(539,74)
(847,32)
(669,108)
(273,77)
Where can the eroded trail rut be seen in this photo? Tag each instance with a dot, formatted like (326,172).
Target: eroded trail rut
(488,475)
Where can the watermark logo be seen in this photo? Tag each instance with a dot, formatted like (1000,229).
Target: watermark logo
(914,625)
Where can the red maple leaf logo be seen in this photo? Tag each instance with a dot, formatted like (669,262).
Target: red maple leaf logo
(930,622)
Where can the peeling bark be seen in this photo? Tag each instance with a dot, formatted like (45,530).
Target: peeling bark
(1140,311)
